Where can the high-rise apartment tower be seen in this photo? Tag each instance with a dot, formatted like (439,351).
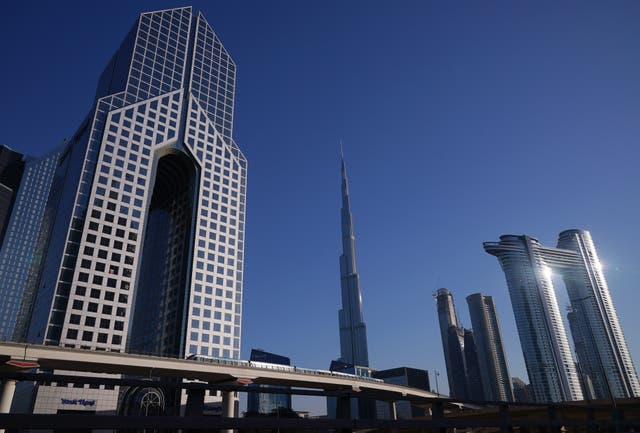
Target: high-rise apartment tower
(494,372)
(545,346)
(460,351)
(600,345)
(599,341)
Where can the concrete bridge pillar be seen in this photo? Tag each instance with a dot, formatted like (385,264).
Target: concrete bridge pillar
(505,419)
(8,388)
(437,414)
(6,397)
(228,407)
(394,415)
(393,410)
(195,402)
(343,410)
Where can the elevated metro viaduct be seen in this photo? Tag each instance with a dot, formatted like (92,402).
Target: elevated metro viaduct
(196,377)
(230,377)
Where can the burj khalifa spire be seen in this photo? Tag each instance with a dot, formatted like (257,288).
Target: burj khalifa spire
(353,331)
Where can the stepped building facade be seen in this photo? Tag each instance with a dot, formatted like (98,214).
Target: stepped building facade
(141,244)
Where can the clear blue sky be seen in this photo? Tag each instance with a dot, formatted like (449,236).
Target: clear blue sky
(461,121)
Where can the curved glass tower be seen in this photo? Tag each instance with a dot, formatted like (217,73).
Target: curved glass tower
(601,346)
(550,364)
(599,341)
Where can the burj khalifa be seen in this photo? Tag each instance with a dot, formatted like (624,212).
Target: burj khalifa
(353,331)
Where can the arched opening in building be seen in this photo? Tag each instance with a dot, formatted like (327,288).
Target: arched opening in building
(157,325)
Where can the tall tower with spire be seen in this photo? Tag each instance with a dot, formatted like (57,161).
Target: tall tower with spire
(353,331)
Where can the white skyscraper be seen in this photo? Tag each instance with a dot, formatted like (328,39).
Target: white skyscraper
(145,221)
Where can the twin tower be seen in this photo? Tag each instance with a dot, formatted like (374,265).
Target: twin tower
(604,360)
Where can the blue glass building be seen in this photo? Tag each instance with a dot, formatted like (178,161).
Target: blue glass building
(492,361)
(452,336)
(267,403)
(19,246)
(406,376)
(11,167)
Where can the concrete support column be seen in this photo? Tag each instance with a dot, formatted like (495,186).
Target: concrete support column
(8,388)
(195,402)
(227,404)
(394,415)
(343,410)
(437,414)
(228,407)
(343,407)
(6,398)
(552,412)
(617,416)
(505,419)
(591,419)
(392,410)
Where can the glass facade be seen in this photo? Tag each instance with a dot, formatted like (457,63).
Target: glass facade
(267,403)
(359,408)
(11,168)
(452,335)
(18,248)
(160,299)
(405,376)
(475,386)
(353,330)
(600,344)
(142,244)
(494,371)
(599,341)
(545,346)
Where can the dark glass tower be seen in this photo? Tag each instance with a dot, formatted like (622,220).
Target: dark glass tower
(475,386)
(267,403)
(452,344)
(11,167)
(406,376)
(494,371)
(353,331)
(17,254)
